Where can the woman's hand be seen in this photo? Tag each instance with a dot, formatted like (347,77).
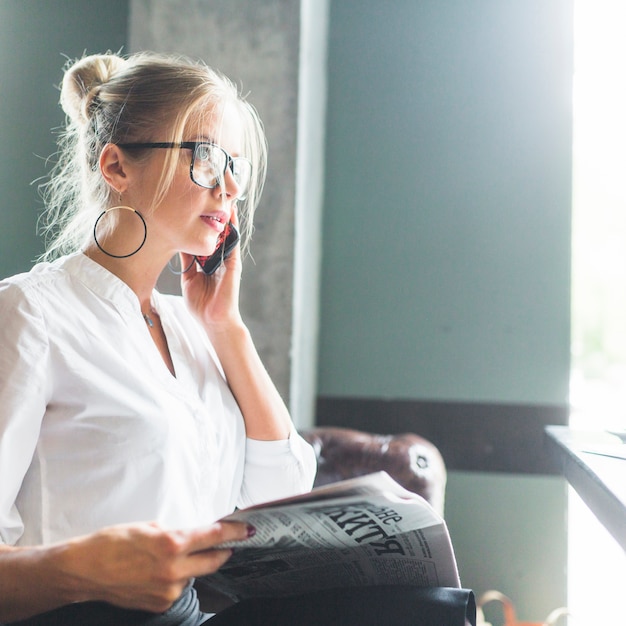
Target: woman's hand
(134,566)
(214,299)
(146,567)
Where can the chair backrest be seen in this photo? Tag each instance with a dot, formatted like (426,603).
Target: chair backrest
(412,461)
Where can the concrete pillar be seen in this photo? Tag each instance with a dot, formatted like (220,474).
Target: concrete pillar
(276,50)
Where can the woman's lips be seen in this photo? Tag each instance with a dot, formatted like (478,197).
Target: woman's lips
(214,221)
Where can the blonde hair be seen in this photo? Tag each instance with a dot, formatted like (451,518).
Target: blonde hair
(111,99)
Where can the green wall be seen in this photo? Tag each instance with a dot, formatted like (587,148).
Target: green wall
(447,211)
(446,272)
(35,37)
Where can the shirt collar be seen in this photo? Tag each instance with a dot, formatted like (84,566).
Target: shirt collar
(100,280)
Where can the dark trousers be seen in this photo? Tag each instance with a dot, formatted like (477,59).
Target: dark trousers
(184,612)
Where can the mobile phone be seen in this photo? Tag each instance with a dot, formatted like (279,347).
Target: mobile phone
(227,240)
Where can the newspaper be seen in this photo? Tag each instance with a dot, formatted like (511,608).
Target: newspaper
(363,531)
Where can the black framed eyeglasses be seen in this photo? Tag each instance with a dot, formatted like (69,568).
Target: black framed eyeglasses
(208,163)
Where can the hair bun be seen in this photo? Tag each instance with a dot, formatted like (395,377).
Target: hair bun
(82,81)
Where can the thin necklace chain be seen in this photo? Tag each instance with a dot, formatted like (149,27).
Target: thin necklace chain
(148,319)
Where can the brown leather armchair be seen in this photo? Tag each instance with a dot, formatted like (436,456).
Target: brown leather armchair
(411,460)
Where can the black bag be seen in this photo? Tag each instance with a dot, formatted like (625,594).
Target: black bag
(393,605)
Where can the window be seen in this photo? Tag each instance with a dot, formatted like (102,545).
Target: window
(598,383)
(598,390)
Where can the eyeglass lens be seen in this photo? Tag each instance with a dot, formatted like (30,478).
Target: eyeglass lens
(210,163)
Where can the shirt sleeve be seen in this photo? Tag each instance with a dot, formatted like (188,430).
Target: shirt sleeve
(277,469)
(23,358)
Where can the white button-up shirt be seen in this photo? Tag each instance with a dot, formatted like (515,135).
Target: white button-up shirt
(94,429)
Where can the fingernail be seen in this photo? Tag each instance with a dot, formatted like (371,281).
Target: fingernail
(251,530)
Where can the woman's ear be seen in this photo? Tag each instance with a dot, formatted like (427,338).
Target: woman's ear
(113,166)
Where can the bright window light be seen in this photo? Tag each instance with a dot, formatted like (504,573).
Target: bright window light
(598,386)
(598,390)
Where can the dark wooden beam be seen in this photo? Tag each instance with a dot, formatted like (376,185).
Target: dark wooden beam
(471,436)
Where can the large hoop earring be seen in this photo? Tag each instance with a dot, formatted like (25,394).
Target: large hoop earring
(126,208)
(176,272)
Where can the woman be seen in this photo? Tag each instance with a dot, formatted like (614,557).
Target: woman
(129,420)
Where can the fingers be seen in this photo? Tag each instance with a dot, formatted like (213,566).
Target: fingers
(202,555)
(216,534)
(207,562)
(144,566)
